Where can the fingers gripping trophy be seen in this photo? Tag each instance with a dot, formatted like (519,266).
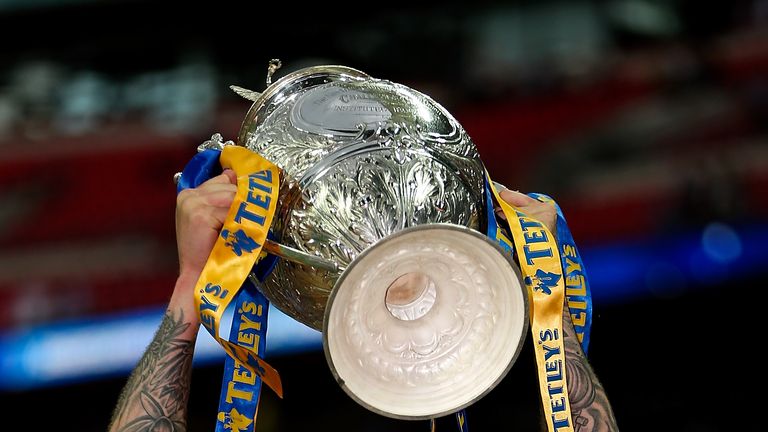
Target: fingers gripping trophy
(379,227)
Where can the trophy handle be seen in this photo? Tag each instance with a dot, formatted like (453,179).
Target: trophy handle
(299,257)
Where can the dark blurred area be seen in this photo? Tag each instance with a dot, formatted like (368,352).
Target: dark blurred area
(645,119)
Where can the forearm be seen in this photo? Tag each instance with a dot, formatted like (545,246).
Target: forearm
(590,408)
(157,391)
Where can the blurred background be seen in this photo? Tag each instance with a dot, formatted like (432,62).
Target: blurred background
(645,119)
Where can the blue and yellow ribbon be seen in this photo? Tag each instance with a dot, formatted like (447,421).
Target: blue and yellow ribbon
(240,387)
(577,292)
(218,290)
(538,254)
(543,276)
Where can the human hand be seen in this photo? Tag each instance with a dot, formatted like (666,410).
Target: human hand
(200,215)
(541,211)
(544,213)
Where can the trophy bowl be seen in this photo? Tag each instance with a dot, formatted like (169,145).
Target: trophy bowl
(380,223)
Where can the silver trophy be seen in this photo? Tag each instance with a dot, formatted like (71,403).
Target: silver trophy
(380,206)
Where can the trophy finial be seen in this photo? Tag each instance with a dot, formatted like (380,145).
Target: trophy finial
(273,66)
(251,95)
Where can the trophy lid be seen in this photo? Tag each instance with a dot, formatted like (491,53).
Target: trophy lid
(290,84)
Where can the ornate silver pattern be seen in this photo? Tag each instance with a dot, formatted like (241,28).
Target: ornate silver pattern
(346,185)
(465,313)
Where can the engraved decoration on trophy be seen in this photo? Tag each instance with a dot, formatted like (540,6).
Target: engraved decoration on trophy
(379,221)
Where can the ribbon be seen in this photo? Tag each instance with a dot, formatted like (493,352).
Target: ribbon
(544,319)
(461,422)
(538,255)
(240,388)
(218,293)
(577,292)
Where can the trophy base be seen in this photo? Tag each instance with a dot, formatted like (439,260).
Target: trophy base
(425,322)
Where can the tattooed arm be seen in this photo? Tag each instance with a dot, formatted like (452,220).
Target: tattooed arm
(156,394)
(155,397)
(590,408)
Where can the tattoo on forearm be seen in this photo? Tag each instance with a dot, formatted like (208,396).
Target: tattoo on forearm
(590,409)
(155,396)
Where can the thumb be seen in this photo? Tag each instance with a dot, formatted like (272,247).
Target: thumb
(517,199)
(228,176)
(230,173)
